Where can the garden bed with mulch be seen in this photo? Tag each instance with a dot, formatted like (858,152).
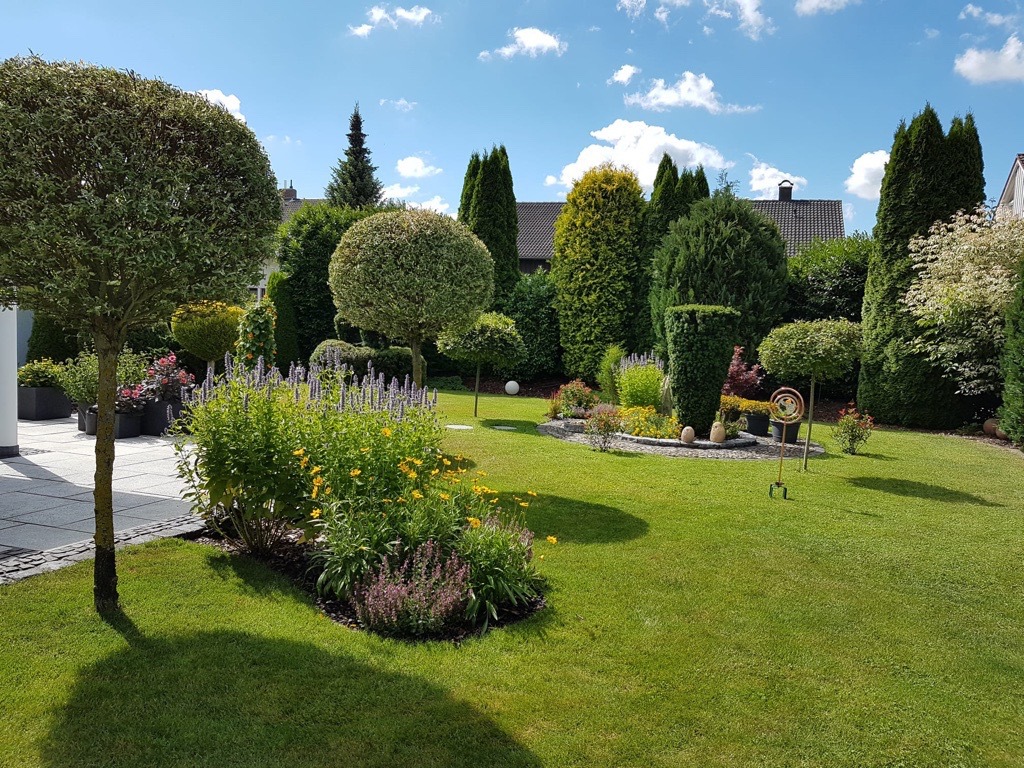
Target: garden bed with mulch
(746,447)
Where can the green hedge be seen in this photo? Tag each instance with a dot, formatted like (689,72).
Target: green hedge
(1011,416)
(279,291)
(48,341)
(393,362)
(700,342)
(532,306)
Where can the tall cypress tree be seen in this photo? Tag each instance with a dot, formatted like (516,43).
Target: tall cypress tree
(468,185)
(492,217)
(899,385)
(701,189)
(353,183)
(965,166)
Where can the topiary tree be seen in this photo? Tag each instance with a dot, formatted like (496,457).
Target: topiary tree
(597,266)
(307,241)
(409,275)
(142,197)
(724,253)
(826,279)
(468,186)
(256,335)
(820,350)
(286,334)
(492,339)
(1011,415)
(532,307)
(700,344)
(207,329)
(354,183)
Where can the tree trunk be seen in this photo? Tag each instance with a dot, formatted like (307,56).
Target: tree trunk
(105,571)
(417,361)
(810,422)
(476,397)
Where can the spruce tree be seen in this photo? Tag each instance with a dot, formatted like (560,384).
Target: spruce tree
(353,181)
(468,185)
(898,385)
(492,217)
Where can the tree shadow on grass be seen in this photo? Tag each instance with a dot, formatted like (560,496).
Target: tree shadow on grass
(918,490)
(577,521)
(229,698)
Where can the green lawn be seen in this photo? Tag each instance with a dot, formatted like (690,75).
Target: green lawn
(874,619)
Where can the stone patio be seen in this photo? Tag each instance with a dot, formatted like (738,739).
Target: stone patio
(46,507)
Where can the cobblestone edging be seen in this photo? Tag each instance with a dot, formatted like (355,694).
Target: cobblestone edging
(21,567)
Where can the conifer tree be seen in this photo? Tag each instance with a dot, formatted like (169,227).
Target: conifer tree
(468,185)
(353,181)
(492,217)
(898,384)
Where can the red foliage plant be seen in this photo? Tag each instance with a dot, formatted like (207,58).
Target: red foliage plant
(742,380)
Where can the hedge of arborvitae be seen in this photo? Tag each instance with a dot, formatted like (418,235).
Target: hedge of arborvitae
(597,266)
(700,344)
(723,253)
(929,177)
(488,207)
(532,306)
(308,241)
(1011,416)
(286,332)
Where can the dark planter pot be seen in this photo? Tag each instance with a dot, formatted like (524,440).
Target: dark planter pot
(158,416)
(757,424)
(90,422)
(127,425)
(82,408)
(42,404)
(792,431)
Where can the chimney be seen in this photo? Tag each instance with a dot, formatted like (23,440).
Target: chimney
(785,190)
(288,194)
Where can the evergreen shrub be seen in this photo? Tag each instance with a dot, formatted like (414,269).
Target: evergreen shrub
(1011,415)
(286,333)
(532,305)
(639,386)
(49,341)
(607,372)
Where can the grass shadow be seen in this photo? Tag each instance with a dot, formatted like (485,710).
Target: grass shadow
(251,574)
(522,426)
(914,489)
(226,698)
(578,521)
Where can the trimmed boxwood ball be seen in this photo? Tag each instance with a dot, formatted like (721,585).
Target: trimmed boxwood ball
(393,362)
(700,343)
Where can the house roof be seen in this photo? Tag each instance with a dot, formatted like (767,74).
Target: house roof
(802,221)
(799,221)
(537,230)
(291,203)
(1008,190)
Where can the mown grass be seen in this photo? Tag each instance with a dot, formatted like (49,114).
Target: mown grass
(875,618)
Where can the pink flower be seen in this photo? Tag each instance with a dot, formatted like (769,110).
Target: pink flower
(163,361)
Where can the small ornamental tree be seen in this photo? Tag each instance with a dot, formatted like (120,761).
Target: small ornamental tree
(700,344)
(819,350)
(121,198)
(409,275)
(491,340)
(207,329)
(286,334)
(256,335)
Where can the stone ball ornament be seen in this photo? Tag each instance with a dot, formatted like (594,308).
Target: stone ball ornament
(512,388)
(688,435)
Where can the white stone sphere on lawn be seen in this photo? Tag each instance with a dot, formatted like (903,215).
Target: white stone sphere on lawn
(512,388)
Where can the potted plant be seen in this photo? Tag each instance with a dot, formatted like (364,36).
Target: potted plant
(40,396)
(80,380)
(780,428)
(757,414)
(129,404)
(166,383)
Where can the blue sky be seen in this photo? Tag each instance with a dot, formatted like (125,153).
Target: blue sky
(809,90)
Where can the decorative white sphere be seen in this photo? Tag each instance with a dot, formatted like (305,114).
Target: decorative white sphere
(512,388)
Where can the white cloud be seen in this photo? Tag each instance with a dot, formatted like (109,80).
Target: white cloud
(753,22)
(972,11)
(397,191)
(765,179)
(990,66)
(811,7)
(413,167)
(285,140)
(931,33)
(662,15)
(402,105)
(689,91)
(633,8)
(865,180)
(379,15)
(624,74)
(436,203)
(528,41)
(639,146)
(230,102)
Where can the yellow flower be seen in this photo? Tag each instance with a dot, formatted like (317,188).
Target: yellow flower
(412,474)
(552,540)
(355,472)
(327,491)
(401,500)
(316,490)
(481,473)
(298,452)
(364,450)
(417,462)
(474,522)
(318,481)
(315,470)
(304,462)
(315,513)
(542,557)
(524,503)
(444,496)
(531,493)
(386,432)
(446,462)
(494,501)
(417,495)
(434,471)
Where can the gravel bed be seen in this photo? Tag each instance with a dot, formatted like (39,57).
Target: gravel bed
(763,447)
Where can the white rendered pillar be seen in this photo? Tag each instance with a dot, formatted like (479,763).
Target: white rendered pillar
(8,382)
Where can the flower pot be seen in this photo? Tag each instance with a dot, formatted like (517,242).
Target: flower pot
(127,425)
(90,422)
(792,431)
(81,408)
(158,416)
(42,404)
(757,424)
